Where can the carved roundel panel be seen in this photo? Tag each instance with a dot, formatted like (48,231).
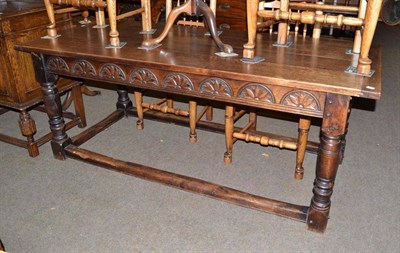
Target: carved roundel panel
(57,64)
(112,72)
(83,68)
(216,86)
(143,77)
(178,81)
(258,92)
(301,99)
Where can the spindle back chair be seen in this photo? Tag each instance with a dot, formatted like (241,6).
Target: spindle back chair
(99,6)
(367,17)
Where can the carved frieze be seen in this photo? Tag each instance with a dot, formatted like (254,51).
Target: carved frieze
(301,99)
(178,81)
(112,72)
(257,92)
(57,64)
(83,68)
(143,77)
(216,86)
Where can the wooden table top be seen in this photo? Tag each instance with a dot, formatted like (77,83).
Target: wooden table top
(316,65)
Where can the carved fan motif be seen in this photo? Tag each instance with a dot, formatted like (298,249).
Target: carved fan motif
(143,77)
(301,99)
(257,92)
(216,86)
(57,64)
(178,81)
(83,68)
(112,71)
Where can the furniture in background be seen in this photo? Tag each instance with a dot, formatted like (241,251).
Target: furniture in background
(99,7)
(21,22)
(231,14)
(314,15)
(190,7)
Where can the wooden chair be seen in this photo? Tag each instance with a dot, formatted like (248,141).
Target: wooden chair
(99,7)
(27,125)
(313,14)
(296,10)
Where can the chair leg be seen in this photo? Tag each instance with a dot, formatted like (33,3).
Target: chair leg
(192,121)
(112,17)
(146,16)
(304,128)
(139,108)
(371,20)
(170,103)
(209,113)
(253,118)
(79,105)
(229,115)
(252,8)
(28,128)
(51,29)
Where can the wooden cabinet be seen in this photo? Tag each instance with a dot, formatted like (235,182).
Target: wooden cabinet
(22,21)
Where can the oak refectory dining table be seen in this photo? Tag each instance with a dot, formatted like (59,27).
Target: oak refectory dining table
(306,79)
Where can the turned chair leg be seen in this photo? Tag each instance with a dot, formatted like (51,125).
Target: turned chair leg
(192,121)
(146,16)
(229,121)
(304,128)
(139,108)
(371,20)
(252,8)
(28,128)
(51,29)
(112,17)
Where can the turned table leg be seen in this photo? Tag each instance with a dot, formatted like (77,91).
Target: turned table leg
(329,152)
(53,107)
(124,101)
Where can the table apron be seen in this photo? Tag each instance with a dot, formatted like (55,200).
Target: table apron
(252,94)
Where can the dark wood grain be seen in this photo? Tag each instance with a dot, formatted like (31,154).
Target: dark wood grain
(306,79)
(310,64)
(195,185)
